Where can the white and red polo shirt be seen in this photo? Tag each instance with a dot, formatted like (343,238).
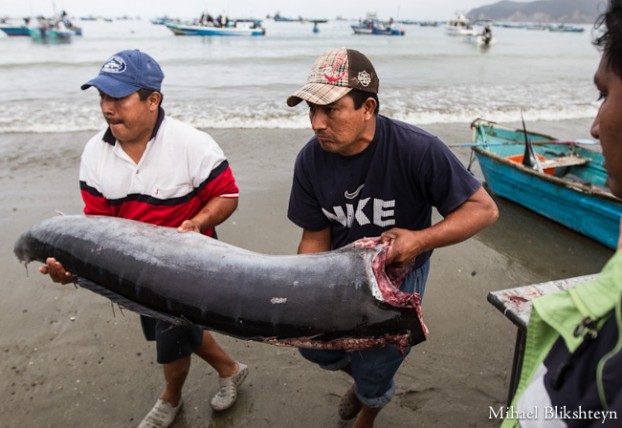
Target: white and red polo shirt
(181,169)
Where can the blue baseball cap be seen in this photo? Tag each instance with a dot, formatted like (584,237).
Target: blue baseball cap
(126,72)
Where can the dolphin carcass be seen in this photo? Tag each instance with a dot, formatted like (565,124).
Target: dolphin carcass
(341,299)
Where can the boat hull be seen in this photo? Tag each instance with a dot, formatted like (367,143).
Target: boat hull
(15,31)
(561,194)
(51,35)
(377,31)
(339,299)
(201,30)
(459,31)
(377,28)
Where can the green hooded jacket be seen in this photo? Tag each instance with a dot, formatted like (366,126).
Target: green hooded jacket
(560,314)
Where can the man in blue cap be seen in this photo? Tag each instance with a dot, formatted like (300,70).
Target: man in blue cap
(149,167)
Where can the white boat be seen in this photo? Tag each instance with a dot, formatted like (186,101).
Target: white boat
(460,26)
(233,28)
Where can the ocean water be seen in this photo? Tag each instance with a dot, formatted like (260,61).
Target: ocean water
(426,76)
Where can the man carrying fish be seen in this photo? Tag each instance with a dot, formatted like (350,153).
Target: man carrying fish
(363,175)
(149,167)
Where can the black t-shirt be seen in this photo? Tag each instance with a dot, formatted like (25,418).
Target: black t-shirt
(394,182)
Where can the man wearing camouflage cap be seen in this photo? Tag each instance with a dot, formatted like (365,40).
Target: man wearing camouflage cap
(363,175)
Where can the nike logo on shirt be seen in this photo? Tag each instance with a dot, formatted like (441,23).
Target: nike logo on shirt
(354,194)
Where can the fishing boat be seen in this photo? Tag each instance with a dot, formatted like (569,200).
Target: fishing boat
(460,25)
(373,26)
(279,18)
(567,186)
(51,35)
(13,30)
(233,28)
(564,28)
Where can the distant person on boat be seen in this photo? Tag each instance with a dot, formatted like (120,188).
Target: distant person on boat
(150,167)
(206,19)
(487,34)
(362,175)
(572,360)
(222,21)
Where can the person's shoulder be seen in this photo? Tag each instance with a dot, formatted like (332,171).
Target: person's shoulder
(172,124)
(311,148)
(407,129)
(177,131)
(409,138)
(97,137)
(96,143)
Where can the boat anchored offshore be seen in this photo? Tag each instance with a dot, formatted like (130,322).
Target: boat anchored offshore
(12,29)
(373,26)
(51,35)
(563,182)
(240,27)
(460,26)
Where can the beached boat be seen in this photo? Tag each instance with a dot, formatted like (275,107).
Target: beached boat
(570,189)
(460,25)
(233,28)
(373,26)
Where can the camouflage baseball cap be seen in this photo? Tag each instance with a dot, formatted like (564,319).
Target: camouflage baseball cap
(333,75)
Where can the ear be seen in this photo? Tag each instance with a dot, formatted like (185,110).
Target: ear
(369,106)
(154,100)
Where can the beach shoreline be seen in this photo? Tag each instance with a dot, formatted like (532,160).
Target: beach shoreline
(73,359)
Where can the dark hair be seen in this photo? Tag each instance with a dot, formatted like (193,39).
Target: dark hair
(359,97)
(143,94)
(610,41)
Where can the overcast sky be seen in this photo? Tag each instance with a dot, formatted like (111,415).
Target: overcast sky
(399,9)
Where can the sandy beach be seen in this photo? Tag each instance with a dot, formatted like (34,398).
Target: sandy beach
(71,359)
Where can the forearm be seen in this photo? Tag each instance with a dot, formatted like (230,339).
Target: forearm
(215,212)
(474,215)
(314,241)
(478,212)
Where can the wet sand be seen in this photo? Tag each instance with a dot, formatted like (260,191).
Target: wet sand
(71,359)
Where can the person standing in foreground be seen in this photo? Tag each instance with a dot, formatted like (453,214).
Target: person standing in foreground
(364,175)
(572,365)
(149,167)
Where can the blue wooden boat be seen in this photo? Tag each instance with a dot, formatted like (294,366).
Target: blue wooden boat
(233,28)
(570,189)
(374,26)
(51,35)
(14,30)
(564,28)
